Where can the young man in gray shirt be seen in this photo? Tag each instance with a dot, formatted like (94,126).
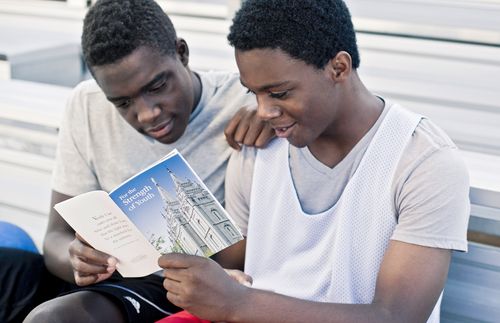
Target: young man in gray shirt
(145,101)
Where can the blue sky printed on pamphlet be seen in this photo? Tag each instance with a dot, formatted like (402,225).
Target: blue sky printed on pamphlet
(140,200)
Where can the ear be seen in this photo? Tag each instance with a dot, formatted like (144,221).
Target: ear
(182,51)
(340,66)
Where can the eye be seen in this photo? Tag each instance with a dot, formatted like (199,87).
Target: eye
(278,95)
(250,91)
(123,104)
(157,87)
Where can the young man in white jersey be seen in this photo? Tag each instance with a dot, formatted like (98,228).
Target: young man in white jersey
(352,215)
(144,102)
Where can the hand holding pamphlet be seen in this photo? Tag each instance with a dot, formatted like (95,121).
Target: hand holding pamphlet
(165,208)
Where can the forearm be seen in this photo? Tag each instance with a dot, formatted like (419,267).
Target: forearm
(56,255)
(262,306)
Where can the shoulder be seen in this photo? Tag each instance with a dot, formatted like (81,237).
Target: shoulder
(432,158)
(87,88)
(221,78)
(242,161)
(430,148)
(223,95)
(431,191)
(432,155)
(87,99)
(225,86)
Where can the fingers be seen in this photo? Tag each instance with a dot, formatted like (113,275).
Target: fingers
(183,268)
(79,237)
(265,136)
(178,289)
(179,261)
(172,281)
(230,131)
(89,265)
(248,129)
(79,248)
(82,265)
(82,279)
(87,273)
(254,128)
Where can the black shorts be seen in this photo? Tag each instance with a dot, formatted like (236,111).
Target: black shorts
(142,299)
(25,282)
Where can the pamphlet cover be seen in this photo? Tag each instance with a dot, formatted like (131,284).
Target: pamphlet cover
(165,208)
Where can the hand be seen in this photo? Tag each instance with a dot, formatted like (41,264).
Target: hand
(247,129)
(90,266)
(201,286)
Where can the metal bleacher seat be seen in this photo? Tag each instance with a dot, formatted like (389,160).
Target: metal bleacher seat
(40,49)
(29,118)
(472,293)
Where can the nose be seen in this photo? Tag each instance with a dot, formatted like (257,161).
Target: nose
(266,110)
(146,110)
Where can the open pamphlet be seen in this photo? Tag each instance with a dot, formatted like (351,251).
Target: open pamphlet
(165,208)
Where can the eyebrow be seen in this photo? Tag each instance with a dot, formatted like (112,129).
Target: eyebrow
(158,77)
(267,86)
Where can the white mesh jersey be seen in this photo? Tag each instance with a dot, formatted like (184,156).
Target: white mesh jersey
(335,255)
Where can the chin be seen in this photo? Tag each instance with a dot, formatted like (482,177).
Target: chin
(167,140)
(171,137)
(296,143)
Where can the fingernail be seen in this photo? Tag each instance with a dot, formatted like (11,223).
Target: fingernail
(112,261)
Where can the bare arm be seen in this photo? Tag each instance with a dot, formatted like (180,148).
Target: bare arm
(68,256)
(409,283)
(56,243)
(232,257)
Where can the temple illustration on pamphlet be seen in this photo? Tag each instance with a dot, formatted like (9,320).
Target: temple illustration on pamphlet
(196,223)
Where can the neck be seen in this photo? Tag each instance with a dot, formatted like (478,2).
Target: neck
(358,111)
(197,88)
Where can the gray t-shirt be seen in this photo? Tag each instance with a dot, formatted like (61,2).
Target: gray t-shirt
(430,187)
(98,149)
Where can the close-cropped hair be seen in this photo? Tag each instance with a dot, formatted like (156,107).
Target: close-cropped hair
(113,29)
(313,31)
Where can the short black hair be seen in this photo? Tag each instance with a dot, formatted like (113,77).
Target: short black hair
(313,31)
(113,29)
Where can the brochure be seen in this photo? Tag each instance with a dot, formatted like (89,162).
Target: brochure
(165,208)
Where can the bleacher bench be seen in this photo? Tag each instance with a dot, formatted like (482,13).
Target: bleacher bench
(472,292)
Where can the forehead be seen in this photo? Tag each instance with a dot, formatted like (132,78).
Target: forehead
(134,71)
(259,67)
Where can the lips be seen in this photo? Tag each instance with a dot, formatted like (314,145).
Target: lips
(160,130)
(283,131)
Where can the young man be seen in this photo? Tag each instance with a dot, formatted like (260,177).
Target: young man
(352,214)
(144,102)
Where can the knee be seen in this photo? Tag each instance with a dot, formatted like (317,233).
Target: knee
(55,311)
(81,306)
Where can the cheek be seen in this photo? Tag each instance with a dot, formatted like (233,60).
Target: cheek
(179,96)
(130,117)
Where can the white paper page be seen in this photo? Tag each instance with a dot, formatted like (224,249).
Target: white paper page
(103,225)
